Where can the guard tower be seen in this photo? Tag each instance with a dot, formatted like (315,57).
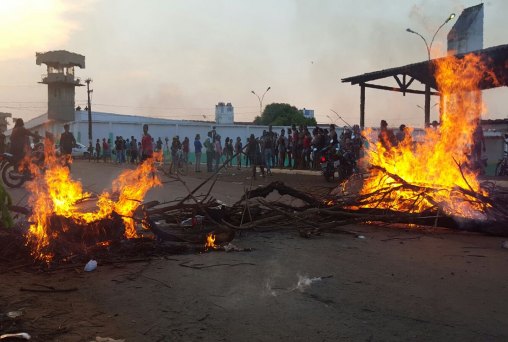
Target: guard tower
(61,82)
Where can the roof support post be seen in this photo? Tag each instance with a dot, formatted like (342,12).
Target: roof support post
(362,105)
(427,105)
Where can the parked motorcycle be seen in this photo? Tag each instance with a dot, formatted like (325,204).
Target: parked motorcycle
(335,160)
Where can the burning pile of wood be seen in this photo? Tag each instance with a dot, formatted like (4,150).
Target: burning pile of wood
(188,224)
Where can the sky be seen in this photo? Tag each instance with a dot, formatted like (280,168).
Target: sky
(178,58)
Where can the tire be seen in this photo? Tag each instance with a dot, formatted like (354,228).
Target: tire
(11,177)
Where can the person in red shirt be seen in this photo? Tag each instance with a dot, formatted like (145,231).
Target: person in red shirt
(146,144)
(185,149)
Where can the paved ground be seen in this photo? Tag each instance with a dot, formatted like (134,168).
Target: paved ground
(394,285)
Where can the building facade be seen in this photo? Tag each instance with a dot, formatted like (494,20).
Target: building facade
(308,113)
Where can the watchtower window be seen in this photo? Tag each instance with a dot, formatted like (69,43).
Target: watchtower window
(55,70)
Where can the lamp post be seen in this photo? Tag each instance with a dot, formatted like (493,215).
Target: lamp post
(260,99)
(429,48)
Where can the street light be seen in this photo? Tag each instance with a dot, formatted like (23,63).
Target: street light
(429,48)
(260,99)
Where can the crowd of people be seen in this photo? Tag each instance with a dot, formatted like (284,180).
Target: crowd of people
(296,147)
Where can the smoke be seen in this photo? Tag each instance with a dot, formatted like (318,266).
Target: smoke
(303,283)
(168,100)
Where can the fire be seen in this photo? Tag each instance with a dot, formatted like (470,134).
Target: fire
(432,164)
(53,192)
(210,242)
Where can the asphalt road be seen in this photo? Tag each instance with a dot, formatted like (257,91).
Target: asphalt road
(394,284)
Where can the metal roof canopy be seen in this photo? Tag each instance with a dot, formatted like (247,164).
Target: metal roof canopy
(496,59)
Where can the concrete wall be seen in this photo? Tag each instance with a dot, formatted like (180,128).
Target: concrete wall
(109,125)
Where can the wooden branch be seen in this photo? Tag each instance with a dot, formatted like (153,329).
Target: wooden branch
(282,189)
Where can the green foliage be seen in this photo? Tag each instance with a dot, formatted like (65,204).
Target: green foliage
(5,203)
(283,114)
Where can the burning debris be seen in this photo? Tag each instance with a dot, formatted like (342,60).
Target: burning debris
(417,183)
(432,174)
(57,221)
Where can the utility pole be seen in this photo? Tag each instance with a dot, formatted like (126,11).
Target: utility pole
(87,81)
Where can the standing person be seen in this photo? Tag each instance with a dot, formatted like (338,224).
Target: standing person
(218,151)
(185,150)
(67,142)
(294,151)
(299,147)
(175,154)
(306,150)
(146,144)
(358,142)
(123,145)
(117,150)
(247,157)
(209,155)
(212,134)
(238,152)
(228,151)
(158,144)
(134,150)
(401,134)
(90,151)
(197,152)
(254,153)
(98,150)
(267,142)
(282,143)
(106,152)
(289,149)
(386,136)
(275,147)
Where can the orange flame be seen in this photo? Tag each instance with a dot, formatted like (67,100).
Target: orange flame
(210,242)
(53,192)
(432,162)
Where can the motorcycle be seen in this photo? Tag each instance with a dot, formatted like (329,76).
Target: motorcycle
(12,176)
(335,160)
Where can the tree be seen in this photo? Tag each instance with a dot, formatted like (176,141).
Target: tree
(283,114)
